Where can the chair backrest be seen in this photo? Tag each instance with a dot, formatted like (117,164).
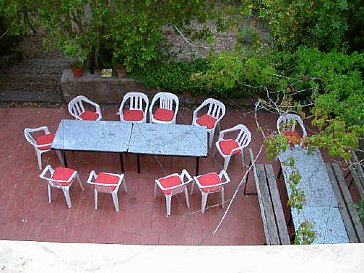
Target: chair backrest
(166,101)
(216,108)
(28,134)
(244,137)
(76,106)
(287,122)
(137,101)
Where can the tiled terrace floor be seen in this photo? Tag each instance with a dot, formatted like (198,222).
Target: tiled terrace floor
(25,213)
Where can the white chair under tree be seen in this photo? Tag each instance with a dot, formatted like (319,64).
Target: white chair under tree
(233,145)
(61,178)
(287,124)
(209,114)
(164,108)
(171,185)
(137,104)
(41,139)
(211,183)
(107,183)
(83,108)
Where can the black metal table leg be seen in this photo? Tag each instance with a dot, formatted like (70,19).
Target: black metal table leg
(138,163)
(63,152)
(197,165)
(122,162)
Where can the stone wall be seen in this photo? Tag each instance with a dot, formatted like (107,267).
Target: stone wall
(101,90)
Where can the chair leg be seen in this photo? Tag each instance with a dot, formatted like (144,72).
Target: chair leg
(95,194)
(124,185)
(168,204)
(49,193)
(192,184)
(204,202)
(155,190)
(222,197)
(242,158)
(39,158)
(60,158)
(116,200)
(66,193)
(226,162)
(186,195)
(79,182)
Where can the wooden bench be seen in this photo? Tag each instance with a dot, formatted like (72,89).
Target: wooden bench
(274,223)
(357,175)
(349,214)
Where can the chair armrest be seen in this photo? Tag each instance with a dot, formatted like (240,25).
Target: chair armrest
(49,169)
(223,132)
(195,112)
(185,174)
(224,175)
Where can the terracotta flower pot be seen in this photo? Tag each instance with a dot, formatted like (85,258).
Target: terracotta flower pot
(77,72)
(121,72)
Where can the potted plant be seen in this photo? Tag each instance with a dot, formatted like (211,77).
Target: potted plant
(78,68)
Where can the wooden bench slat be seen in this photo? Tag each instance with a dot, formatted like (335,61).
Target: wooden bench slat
(342,207)
(261,205)
(349,201)
(358,174)
(267,204)
(277,205)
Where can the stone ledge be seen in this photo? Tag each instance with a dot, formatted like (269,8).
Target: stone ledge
(101,90)
(27,256)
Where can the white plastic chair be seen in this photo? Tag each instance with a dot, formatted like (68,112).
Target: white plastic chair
(287,123)
(82,108)
(107,183)
(61,178)
(138,106)
(171,185)
(215,112)
(211,183)
(167,111)
(228,147)
(41,141)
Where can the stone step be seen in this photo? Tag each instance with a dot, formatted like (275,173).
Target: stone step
(34,96)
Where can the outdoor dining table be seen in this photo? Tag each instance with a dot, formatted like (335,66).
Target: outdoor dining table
(170,140)
(97,136)
(321,206)
(137,138)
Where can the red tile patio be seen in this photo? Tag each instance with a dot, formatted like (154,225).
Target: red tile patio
(26,214)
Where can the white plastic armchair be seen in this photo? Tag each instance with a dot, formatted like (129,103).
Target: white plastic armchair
(211,183)
(107,183)
(171,185)
(61,178)
(287,123)
(138,106)
(42,143)
(166,112)
(215,112)
(83,108)
(228,146)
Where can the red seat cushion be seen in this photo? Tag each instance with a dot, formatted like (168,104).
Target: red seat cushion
(62,173)
(206,120)
(227,145)
(293,137)
(163,114)
(210,180)
(106,178)
(170,181)
(45,139)
(89,115)
(133,115)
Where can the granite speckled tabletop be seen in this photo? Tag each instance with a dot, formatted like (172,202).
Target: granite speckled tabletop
(321,206)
